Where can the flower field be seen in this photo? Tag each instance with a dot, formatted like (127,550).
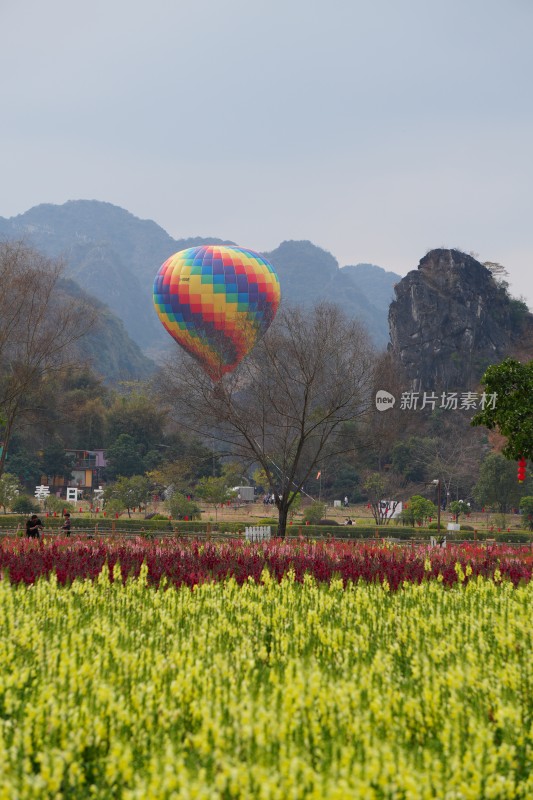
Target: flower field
(191,562)
(300,681)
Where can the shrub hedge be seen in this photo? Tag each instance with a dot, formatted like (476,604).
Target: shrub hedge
(150,527)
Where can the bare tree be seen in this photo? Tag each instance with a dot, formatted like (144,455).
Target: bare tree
(452,452)
(498,270)
(284,405)
(38,330)
(383,490)
(383,427)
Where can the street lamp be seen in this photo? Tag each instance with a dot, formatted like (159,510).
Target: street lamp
(436,483)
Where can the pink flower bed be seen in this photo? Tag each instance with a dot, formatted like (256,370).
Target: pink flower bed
(193,562)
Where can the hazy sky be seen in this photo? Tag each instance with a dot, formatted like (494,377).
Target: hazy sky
(378,129)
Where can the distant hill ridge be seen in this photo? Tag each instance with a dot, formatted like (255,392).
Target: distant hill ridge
(114,256)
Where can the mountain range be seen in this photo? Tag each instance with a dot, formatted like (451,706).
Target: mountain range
(114,256)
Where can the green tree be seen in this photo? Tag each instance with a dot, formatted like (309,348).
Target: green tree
(261,479)
(509,410)
(233,472)
(137,416)
(9,490)
(80,402)
(497,486)
(458,507)
(175,475)
(132,492)
(214,491)
(526,507)
(55,462)
(124,458)
(24,504)
(411,457)
(26,466)
(418,510)
(114,506)
(53,503)
(180,507)
(315,512)
(86,421)
(345,483)
(296,503)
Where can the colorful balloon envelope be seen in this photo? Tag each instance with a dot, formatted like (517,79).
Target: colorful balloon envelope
(216,302)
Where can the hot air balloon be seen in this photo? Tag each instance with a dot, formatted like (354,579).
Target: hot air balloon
(216,302)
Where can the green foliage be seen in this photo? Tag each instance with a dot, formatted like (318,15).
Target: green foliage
(55,462)
(497,486)
(295,500)
(526,507)
(179,507)
(458,507)
(261,480)
(515,536)
(410,457)
(418,510)
(346,483)
(136,416)
(25,465)
(124,457)
(24,504)
(130,492)
(114,506)
(314,513)
(519,311)
(375,486)
(512,415)
(232,472)
(213,490)
(53,503)
(184,461)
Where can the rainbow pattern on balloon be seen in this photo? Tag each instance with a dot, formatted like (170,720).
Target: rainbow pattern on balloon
(217,302)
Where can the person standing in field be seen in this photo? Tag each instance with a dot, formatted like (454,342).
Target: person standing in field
(34,527)
(66,524)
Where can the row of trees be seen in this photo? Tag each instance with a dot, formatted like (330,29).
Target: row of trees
(493,486)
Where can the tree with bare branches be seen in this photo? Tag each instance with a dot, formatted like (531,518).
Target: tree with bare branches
(284,406)
(383,490)
(38,331)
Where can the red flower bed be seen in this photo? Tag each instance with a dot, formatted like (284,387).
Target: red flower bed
(199,561)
